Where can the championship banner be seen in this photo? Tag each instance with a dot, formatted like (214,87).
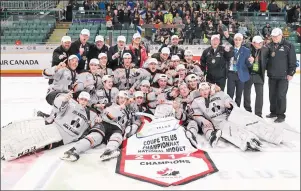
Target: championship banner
(161,154)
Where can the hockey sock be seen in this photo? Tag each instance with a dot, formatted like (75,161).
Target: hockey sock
(90,141)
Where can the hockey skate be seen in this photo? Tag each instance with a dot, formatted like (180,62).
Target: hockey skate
(214,137)
(70,155)
(190,136)
(109,154)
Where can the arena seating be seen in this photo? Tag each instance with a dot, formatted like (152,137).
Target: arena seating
(29,32)
(97,28)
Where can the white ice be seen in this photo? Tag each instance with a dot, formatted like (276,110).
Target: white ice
(276,168)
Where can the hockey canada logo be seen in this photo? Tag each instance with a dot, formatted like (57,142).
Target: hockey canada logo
(168,172)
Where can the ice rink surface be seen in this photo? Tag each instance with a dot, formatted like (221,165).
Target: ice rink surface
(274,168)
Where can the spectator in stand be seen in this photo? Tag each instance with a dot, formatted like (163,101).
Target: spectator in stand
(115,20)
(266,30)
(179,32)
(127,18)
(296,15)
(273,7)
(234,6)
(138,50)
(173,10)
(160,17)
(120,14)
(188,30)
(298,30)
(109,23)
(204,4)
(175,49)
(209,30)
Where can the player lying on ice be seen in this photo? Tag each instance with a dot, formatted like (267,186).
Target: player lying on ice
(216,110)
(109,131)
(27,136)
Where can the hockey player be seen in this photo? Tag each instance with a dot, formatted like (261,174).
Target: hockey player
(212,109)
(137,106)
(103,60)
(182,106)
(114,120)
(106,96)
(180,76)
(27,136)
(64,77)
(192,81)
(191,65)
(89,81)
(162,59)
(126,78)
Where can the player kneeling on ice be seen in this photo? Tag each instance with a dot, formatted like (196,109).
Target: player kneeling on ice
(27,136)
(114,120)
(183,112)
(241,128)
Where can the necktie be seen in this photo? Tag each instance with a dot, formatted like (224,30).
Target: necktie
(235,55)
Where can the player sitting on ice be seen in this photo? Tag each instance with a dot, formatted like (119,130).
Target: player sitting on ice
(64,78)
(183,111)
(136,106)
(241,128)
(114,120)
(26,136)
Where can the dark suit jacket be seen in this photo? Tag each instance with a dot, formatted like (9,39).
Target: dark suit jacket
(117,63)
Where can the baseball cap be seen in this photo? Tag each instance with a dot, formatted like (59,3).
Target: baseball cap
(94,61)
(257,39)
(144,83)
(138,94)
(238,35)
(72,56)
(165,50)
(188,53)
(191,77)
(276,32)
(204,85)
(152,60)
(175,57)
(85,32)
(215,36)
(127,55)
(84,95)
(66,39)
(174,36)
(180,67)
(100,55)
(99,38)
(121,38)
(136,35)
(123,94)
(106,77)
(162,76)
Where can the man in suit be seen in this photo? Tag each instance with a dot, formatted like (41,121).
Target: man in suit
(257,74)
(238,69)
(116,52)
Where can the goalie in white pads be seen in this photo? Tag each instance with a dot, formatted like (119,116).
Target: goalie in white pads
(114,121)
(27,136)
(212,109)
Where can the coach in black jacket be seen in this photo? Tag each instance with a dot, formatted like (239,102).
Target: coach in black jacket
(61,53)
(97,48)
(80,48)
(257,75)
(215,61)
(281,68)
(116,52)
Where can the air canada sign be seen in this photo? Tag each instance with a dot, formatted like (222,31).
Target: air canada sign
(161,154)
(23,62)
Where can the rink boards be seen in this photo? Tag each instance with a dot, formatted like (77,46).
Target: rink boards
(275,168)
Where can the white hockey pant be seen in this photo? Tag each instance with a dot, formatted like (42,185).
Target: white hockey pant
(257,125)
(26,136)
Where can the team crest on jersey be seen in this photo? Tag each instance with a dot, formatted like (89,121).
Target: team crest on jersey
(216,108)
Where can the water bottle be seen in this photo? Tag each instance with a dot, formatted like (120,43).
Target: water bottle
(298,63)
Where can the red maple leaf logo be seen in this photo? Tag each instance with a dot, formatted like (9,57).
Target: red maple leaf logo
(162,171)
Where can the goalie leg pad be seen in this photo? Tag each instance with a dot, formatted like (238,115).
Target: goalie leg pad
(239,136)
(27,136)
(256,125)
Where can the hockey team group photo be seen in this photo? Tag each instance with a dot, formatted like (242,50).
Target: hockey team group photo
(147,94)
